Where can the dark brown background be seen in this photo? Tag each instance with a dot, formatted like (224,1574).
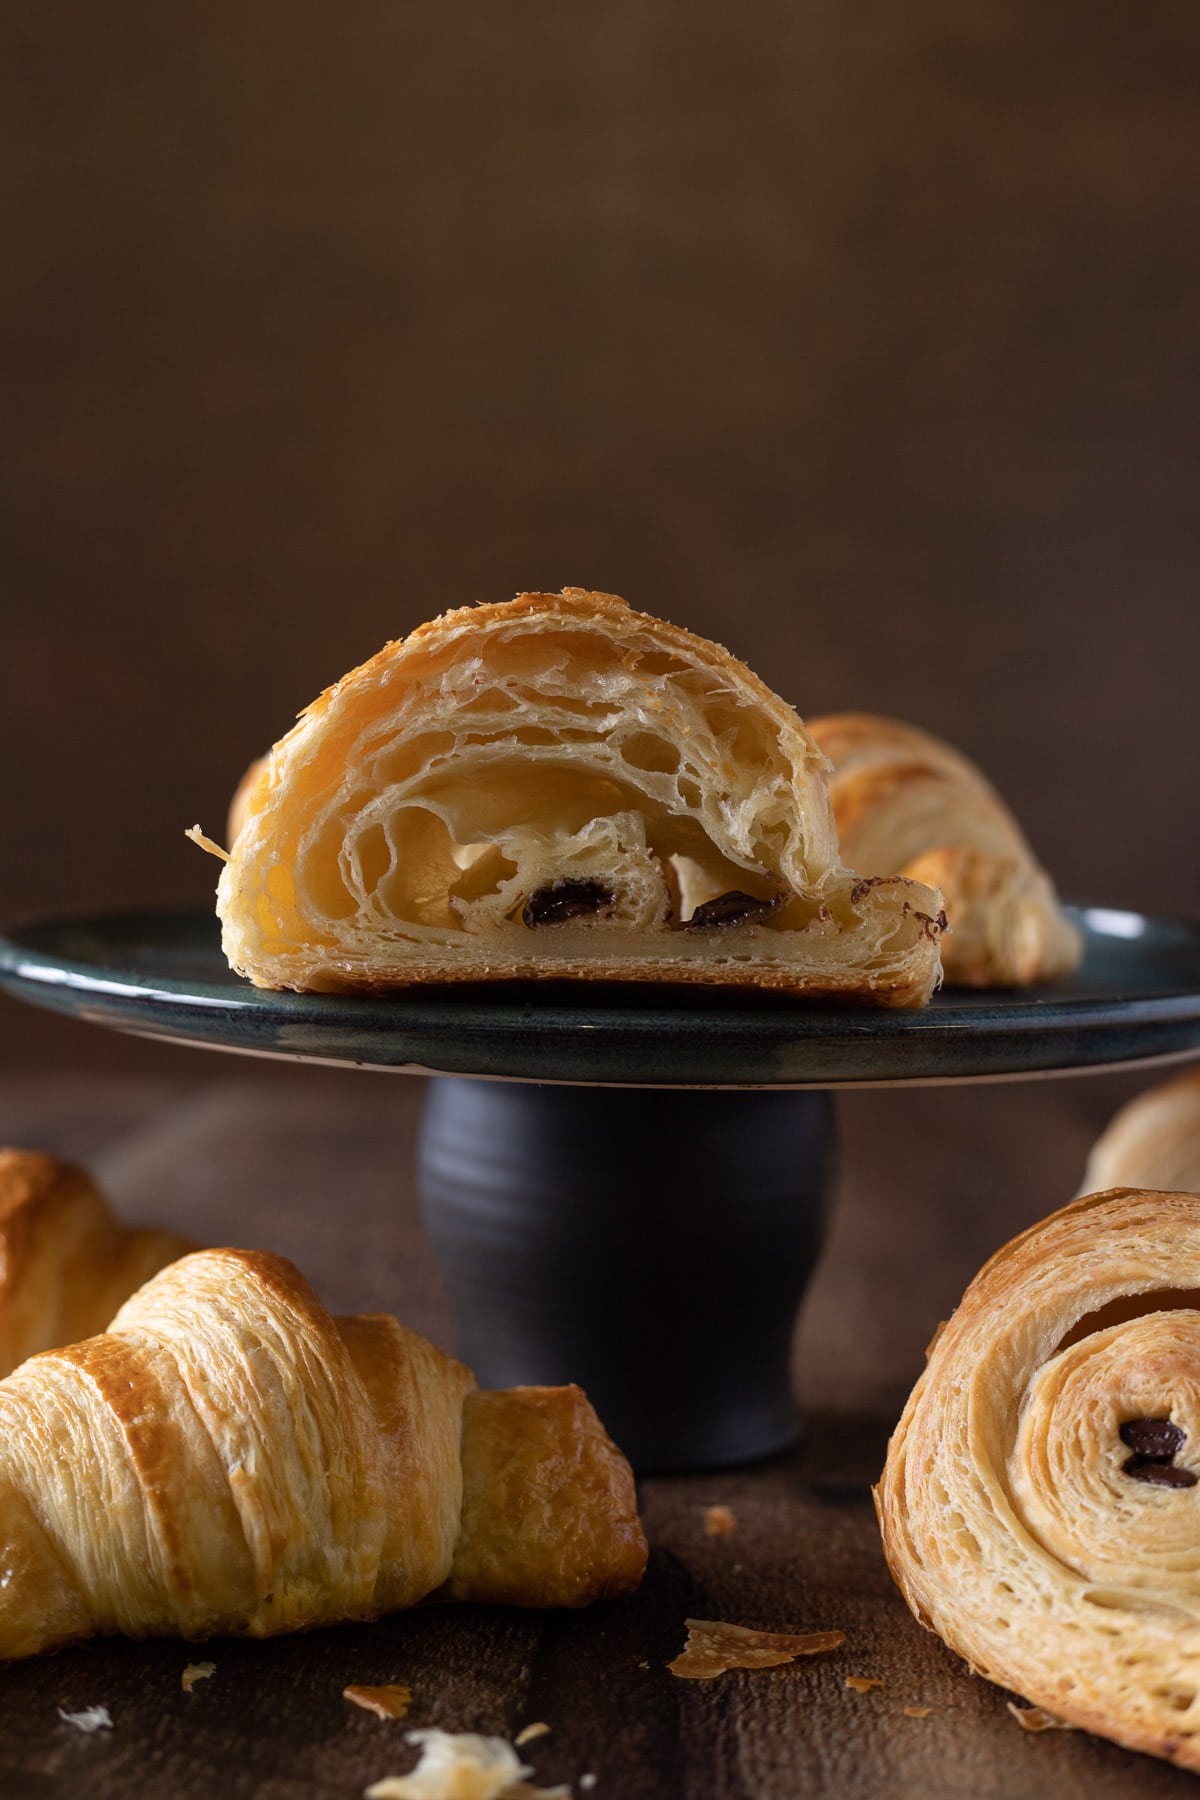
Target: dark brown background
(864,339)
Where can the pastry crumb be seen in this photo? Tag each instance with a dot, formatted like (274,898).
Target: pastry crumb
(196,1672)
(1036,1718)
(391,1701)
(712,1647)
(587,1782)
(862,1684)
(719,1521)
(92,1718)
(917,1712)
(197,836)
(463,1766)
(530,1732)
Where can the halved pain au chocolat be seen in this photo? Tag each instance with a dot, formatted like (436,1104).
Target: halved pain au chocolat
(559,760)
(1038,1507)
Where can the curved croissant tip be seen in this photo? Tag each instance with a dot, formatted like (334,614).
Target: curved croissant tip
(206,843)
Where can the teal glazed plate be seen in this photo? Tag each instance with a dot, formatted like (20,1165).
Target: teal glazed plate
(1136,999)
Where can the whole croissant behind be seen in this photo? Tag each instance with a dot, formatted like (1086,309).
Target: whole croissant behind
(227,1458)
(907,803)
(1040,1505)
(1154,1141)
(66,1264)
(558,787)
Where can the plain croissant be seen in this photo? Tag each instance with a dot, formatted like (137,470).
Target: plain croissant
(229,1458)
(907,803)
(66,1263)
(558,787)
(1040,1506)
(1154,1141)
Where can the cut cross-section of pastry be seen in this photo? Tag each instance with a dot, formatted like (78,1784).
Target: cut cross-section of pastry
(907,803)
(559,787)
(1040,1505)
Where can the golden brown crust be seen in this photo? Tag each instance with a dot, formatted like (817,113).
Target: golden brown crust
(557,788)
(549,1509)
(66,1263)
(228,1458)
(907,803)
(1154,1141)
(1039,1502)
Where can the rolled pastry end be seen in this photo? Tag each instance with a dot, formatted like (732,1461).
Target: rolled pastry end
(549,1509)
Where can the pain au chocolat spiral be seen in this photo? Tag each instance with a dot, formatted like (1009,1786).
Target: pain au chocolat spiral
(1040,1506)
(906,803)
(559,787)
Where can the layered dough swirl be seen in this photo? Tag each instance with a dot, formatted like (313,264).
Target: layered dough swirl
(1040,1507)
(559,787)
(229,1458)
(908,803)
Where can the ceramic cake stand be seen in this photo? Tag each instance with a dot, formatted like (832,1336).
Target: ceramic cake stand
(624,1189)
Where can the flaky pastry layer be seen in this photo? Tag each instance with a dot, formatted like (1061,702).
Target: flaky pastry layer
(1040,1506)
(558,787)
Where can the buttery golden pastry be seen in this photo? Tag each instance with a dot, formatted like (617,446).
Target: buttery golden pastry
(908,804)
(1154,1141)
(66,1263)
(558,787)
(1039,1506)
(229,1458)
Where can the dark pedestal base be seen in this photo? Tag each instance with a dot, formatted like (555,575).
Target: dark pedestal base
(652,1245)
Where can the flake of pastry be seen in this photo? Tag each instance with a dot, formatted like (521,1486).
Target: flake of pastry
(391,1701)
(1036,1718)
(1038,1504)
(463,1766)
(713,1647)
(242,1463)
(531,1732)
(917,1712)
(199,1671)
(862,1684)
(907,803)
(559,787)
(90,1718)
(719,1521)
(198,838)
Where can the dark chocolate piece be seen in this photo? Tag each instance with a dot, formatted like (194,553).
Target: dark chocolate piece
(567,899)
(1158,1474)
(1157,1440)
(731,909)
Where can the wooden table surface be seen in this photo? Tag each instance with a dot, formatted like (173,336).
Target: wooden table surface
(318,1164)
